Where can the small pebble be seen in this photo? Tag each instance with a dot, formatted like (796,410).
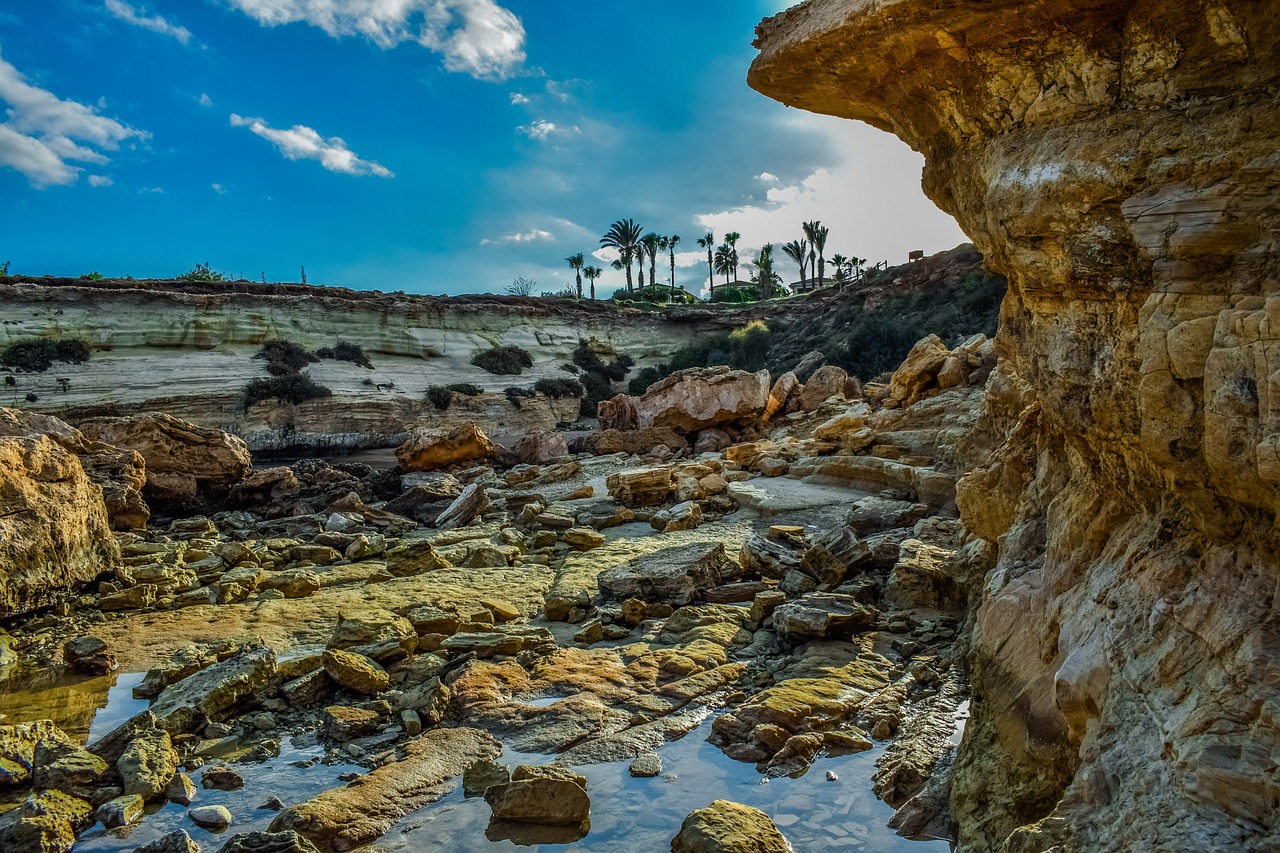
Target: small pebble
(210,817)
(832,777)
(274,804)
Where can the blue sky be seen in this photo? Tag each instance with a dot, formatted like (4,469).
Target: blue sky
(430,146)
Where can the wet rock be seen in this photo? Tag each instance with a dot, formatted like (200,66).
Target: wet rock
(640,487)
(823,614)
(439,448)
(221,778)
(355,671)
(343,818)
(268,842)
(482,775)
(411,722)
(210,817)
(89,656)
(69,768)
(177,841)
(212,692)
(186,465)
(672,576)
(45,822)
(555,802)
(180,790)
(18,747)
(148,764)
(375,633)
(343,722)
(727,827)
(646,765)
(120,811)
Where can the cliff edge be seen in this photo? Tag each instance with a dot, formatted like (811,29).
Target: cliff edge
(1117,161)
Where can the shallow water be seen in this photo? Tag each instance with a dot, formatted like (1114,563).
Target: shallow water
(815,813)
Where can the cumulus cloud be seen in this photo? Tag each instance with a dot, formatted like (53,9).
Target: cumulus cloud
(517,99)
(204,100)
(100,181)
(155,23)
(533,235)
(476,37)
(303,143)
(767,177)
(43,132)
(542,130)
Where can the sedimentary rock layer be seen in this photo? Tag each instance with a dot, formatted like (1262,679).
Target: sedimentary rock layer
(1118,162)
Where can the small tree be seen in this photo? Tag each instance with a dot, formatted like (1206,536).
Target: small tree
(521,286)
(592,273)
(575,264)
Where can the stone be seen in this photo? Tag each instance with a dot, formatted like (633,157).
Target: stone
(541,447)
(691,400)
(120,811)
(89,656)
(343,722)
(45,822)
(502,610)
(438,448)
(727,827)
(646,765)
(210,817)
(482,775)
(782,396)
(413,558)
(465,508)
(582,538)
(221,778)
(672,576)
(919,370)
(631,441)
(148,764)
(826,382)
(640,487)
(177,841)
(268,842)
(187,465)
(375,633)
(355,672)
(66,767)
(553,802)
(411,722)
(180,790)
(823,614)
(210,693)
(346,817)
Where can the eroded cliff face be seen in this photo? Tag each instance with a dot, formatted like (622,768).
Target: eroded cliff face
(191,354)
(1118,161)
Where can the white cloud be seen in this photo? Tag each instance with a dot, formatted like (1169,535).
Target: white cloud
(871,203)
(303,143)
(100,181)
(518,99)
(219,189)
(204,100)
(155,23)
(476,37)
(41,132)
(533,235)
(542,130)
(151,190)
(767,177)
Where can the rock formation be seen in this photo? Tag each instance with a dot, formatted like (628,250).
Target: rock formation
(1117,161)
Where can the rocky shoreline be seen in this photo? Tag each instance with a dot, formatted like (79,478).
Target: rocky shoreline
(778,556)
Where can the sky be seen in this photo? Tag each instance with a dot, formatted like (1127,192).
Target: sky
(428,146)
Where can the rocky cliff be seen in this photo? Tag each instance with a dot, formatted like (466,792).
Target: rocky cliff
(187,350)
(1117,161)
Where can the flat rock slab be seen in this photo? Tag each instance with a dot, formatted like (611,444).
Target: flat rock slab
(778,495)
(672,576)
(343,818)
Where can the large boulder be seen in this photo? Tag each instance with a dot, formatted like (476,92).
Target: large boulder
(189,467)
(672,576)
(727,827)
(553,802)
(45,822)
(54,529)
(214,691)
(434,449)
(919,370)
(691,400)
(826,382)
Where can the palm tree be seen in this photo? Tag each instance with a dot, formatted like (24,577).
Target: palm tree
(817,235)
(709,243)
(764,269)
(843,268)
(731,239)
(624,235)
(650,244)
(725,261)
(798,250)
(672,242)
(592,273)
(575,264)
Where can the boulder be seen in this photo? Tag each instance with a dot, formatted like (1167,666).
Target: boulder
(638,487)
(45,822)
(414,558)
(346,817)
(69,768)
(827,381)
(823,614)
(54,530)
(782,396)
(147,765)
(374,633)
(177,841)
(210,817)
(88,656)
(640,442)
(213,692)
(919,370)
(355,672)
(808,363)
(618,414)
(441,448)
(482,775)
(691,400)
(121,811)
(268,842)
(472,502)
(727,827)
(553,802)
(672,576)
(187,466)
(539,447)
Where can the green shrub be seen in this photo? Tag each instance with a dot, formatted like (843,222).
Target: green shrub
(39,356)
(748,347)
(201,272)
(465,388)
(503,361)
(283,357)
(291,388)
(93,276)
(515,395)
(646,377)
(734,295)
(345,351)
(597,388)
(31,397)
(439,396)
(558,388)
(615,371)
